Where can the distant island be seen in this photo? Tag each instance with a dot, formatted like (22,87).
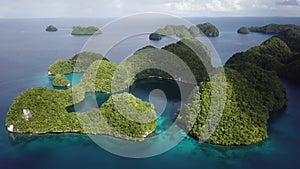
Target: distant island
(209,29)
(273,28)
(155,36)
(269,29)
(51,28)
(243,30)
(182,31)
(254,93)
(91,30)
(177,30)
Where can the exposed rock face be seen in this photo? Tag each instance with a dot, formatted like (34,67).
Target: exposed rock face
(26,114)
(10,128)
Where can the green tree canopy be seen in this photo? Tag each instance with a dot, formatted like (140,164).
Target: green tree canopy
(91,30)
(77,64)
(243,30)
(60,81)
(244,119)
(51,28)
(209,29)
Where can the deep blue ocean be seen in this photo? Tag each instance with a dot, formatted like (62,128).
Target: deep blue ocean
(26,51)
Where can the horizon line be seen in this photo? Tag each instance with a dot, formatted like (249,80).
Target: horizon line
(112,17)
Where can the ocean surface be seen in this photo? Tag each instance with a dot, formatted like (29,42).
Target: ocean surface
(26,51)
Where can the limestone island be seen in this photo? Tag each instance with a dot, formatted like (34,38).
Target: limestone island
(155,36)
(273,28)
(77,64)
(48,114)
(209,29)
(285,43)
(91,30)
(51,28)
(243,30)
(254,93)
(61,81)
(182,31)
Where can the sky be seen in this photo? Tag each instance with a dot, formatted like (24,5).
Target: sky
(119,8)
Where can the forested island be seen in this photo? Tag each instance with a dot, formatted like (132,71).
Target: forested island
(54,118)
(182,31)
(254,93)
(78,63)
(90,30)
(209,29)
(280,53)
(155,36)
(61,81)
(48,114)
(243,30)
(273,28)
(51,28)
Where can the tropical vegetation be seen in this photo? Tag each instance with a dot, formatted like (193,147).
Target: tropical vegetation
(155,36)
(182,31)
(279,53)
(209,29)
(60,81)
(129,116)
(48,112)
(195,55)
(91,30)
(273,28)
(187,52)
(51,28)
(289,33)
(98,77)
(253,93)
(77,64)
(243,30)
(49,115)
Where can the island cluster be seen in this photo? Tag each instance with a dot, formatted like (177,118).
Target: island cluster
(78,30)
(181,31)
(254,91)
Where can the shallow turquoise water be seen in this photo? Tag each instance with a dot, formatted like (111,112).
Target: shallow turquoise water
(74,78)
(30,55)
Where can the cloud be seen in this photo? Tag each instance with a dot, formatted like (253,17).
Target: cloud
(117,8)
(214,5)
(289,3)
(225,5)
(118,3)
(184,5)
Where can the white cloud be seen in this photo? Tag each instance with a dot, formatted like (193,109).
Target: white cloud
(257,4)
(183,5)
(214,5)
(108,8)
(118,3)
(288,3)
